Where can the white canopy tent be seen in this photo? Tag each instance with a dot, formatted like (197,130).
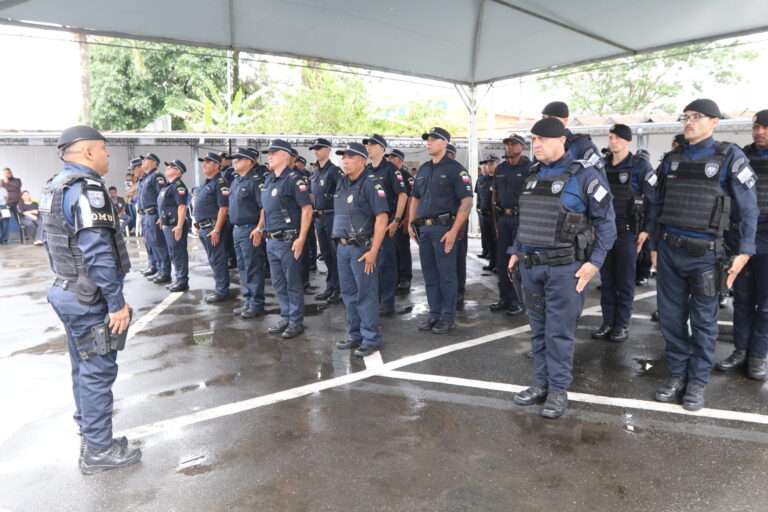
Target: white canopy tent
(465,42)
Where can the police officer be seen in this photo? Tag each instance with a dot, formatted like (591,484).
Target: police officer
(750,289)
(508,181)
(397,198)
(402,240)
(441,202)
(87,253)
(580,145)
(244,214)
(361,217)
(311,245)
(567,225)
(632,181)
(462,246)
(211,209)
(172,205)
(285,220)
(306,263)
(323,184)
(698,181)
(151,182)
(226,231)
(484,208)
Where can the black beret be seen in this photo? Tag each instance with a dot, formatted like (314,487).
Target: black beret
(556,108)
(76,134)
(548,127)
(761,118)
(621,130)
(704,106)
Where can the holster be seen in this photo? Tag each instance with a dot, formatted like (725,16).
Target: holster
(534,302)
(583,246)
(86,291)
(104,341)
(722,267)
(705,284)
(517,281)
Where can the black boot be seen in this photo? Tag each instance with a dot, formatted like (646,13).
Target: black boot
(603,332)
(757,368)
(555,405)
(693,400)
(670,390)
(115,457)
(736,360)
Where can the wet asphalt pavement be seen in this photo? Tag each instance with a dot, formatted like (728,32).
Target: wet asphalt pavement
(204,394)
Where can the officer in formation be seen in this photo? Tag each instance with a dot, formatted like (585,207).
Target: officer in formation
(360,224)
(172,207)
(632,181)
(567,226)
(508,181)
(462,247)
(286,217)
(393,183)
(310,256)
(440,206)
(698,182)
(211,209)
(750,289)
(151,182)
(244,213)
(323,184)
(484,207)
(88,255)
(402,240)
(580,145)
(226,232)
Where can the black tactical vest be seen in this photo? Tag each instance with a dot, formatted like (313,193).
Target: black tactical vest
(624,195)
(64,256)
(760,166)
(693,198)
(544,220)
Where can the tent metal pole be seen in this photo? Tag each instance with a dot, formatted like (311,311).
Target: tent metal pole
(472,154)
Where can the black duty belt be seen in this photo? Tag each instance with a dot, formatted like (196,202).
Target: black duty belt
(552,257)
(691,245)
(320,213)
(441,220)
(507,211)
(484,213)
(61,283)
(205,223)
(624,226)
(760,227)
(355,242)
(285,234)
(148,211)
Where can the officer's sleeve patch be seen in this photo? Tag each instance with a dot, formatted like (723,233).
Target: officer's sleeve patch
(601,195)
(465,176)
(225,191)
(380,190)
(301,185)
(399,175)
(746,177)
(96,198)
(592,184)
(651,178)
(160,180)
(181,191)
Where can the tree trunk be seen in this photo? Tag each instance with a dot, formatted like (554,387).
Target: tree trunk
(85,79)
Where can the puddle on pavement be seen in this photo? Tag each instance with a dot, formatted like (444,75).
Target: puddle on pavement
(227,379)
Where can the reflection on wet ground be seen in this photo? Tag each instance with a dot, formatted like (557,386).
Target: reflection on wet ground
(378,444)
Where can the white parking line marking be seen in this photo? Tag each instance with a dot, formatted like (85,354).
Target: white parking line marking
(142,322)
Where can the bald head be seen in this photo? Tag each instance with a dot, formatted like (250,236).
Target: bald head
(90,153)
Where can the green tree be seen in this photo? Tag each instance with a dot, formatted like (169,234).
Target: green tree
(210,112)
(646,83)
(131,87)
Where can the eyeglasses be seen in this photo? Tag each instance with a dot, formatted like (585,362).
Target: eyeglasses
(693,117)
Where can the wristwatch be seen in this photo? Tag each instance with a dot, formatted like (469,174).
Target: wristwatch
(397,219)
(216,231)
(260,230)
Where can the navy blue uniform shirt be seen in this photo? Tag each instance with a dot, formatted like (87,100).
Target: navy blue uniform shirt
(407,179)
(245,198)
(440,187)
(95,243)
(581,147)
(356,204)
(171,197)
(509,180)
(212,195)
(149,188)
(586,192)
(642,180)
(282,198)
(391,179)
(323,183)
(742,193)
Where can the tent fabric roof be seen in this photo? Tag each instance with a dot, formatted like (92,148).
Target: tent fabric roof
(460,41)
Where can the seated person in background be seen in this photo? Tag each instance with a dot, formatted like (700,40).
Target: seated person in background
(30,217)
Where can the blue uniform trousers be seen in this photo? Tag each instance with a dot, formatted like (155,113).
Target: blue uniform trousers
(440,272)
(750,307)
(488,236)
(387,272)
(177,251)
(360,292)
(554,307)
(324,227)
(286,280)
(507,225)
(227,237)
(617,280)
(404,261)
(217,258)
(688,356)
(92,379)
(250,266)
(462,247)
(155,243)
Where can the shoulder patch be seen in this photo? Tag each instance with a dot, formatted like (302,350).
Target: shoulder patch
(181,190)
(464,176)
(96,198)
(160,179)
(592,184)
(651,178)
(225,191)
(302,186)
